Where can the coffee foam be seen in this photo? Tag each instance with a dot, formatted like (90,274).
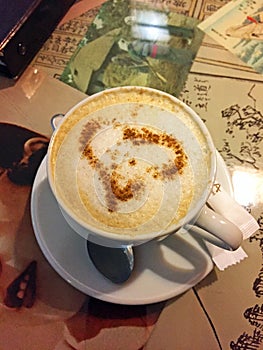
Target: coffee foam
(130,161)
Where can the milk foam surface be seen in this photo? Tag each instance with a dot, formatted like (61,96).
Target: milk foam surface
(130,162)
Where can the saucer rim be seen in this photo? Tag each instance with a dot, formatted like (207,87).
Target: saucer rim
(111,297)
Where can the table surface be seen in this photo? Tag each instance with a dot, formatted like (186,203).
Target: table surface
(39,309)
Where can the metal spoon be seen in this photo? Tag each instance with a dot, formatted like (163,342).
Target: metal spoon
(116,264)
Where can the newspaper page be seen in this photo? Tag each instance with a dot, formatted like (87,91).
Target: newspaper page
(58,49)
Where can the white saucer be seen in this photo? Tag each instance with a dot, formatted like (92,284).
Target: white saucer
(162,270)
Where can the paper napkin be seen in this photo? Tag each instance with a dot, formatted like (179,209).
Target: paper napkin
(222,203)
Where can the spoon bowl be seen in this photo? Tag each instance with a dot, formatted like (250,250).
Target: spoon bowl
(116,264)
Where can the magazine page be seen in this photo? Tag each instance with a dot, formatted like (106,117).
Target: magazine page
(238,26)
(130,43)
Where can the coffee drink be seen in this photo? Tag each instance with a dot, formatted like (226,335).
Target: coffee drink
(131,161)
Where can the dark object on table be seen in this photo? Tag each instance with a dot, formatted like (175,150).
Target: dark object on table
(25,26)
(21,152)
(22,291)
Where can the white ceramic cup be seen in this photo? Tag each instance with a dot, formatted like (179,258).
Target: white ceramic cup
(132,164)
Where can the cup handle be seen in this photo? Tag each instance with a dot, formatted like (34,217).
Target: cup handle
(227,235)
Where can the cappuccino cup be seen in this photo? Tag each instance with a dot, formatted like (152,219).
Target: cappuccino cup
(133,164)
